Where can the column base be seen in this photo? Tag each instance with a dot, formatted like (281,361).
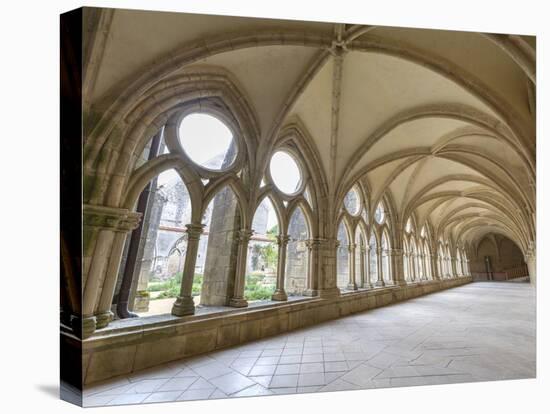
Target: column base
(238,303)
(310,292)
(380,283)
(400,283)
(103,319)
(351,286)
(279,295)
(184,305)
(329,293)
(88,325)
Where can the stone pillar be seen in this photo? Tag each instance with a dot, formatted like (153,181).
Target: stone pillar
(531,261)
(313,246)
(103,313)
(380,280)
(352,285)
(424,269)
(407,263)
(396,267)
(101,235)
(238,300)
(454,270)
(280,294)
(435,268)
(184,304)
(363,281)
(412,266)
(327,268)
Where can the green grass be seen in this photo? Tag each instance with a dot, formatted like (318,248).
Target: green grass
(171,288)
(253,290)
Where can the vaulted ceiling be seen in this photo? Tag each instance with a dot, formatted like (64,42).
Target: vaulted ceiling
(441,122)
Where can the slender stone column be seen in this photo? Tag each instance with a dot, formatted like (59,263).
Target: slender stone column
(380,281)
(370,284)
(103,312)
(363,282)
(238,300)
(352,285)
(398,271)
(531,261)
(184,304)
(100,226)
(312,288)
(424,269)
(454,271)
(280,294)
(435,268)
(468,267)
(414,275)
(406,265)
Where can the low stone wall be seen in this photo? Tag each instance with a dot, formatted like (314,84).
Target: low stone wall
(137,345)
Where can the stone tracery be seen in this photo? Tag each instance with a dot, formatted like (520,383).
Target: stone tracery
(379,190)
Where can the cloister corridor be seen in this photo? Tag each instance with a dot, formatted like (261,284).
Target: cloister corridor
(477,332)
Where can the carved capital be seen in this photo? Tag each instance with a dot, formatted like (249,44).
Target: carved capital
(313,243)
(244,235)
(131,222)
(110,218)
(194,231)
(282,240)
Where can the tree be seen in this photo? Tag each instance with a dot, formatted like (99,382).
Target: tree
(269,255)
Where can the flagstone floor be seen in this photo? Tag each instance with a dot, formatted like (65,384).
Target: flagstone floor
(477,332)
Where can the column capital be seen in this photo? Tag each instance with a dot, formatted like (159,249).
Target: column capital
(110,218)
(314,243)
(194,231)
(351,247)
(244,235)
(531,253)
(282,239)
(396,252)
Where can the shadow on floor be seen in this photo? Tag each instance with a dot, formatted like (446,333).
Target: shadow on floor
(51,390)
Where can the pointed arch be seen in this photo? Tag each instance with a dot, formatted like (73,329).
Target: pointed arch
(236,186)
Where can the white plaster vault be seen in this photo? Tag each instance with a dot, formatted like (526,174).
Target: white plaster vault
(437,128)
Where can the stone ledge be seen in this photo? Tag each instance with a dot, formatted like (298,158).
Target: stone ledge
(122,350)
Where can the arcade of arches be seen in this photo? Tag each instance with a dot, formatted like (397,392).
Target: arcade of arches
(254,176)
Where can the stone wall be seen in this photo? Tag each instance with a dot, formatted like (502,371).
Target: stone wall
(126,347)
(503,254)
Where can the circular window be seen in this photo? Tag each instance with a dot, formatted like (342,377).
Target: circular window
(352,202)
(207,141)
(285,172)
(379,214)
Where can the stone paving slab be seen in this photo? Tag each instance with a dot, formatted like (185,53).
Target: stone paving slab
(476,332)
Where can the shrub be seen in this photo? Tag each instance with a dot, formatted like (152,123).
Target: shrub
(171,288)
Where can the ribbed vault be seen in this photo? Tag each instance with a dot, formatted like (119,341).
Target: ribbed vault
(439,123)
